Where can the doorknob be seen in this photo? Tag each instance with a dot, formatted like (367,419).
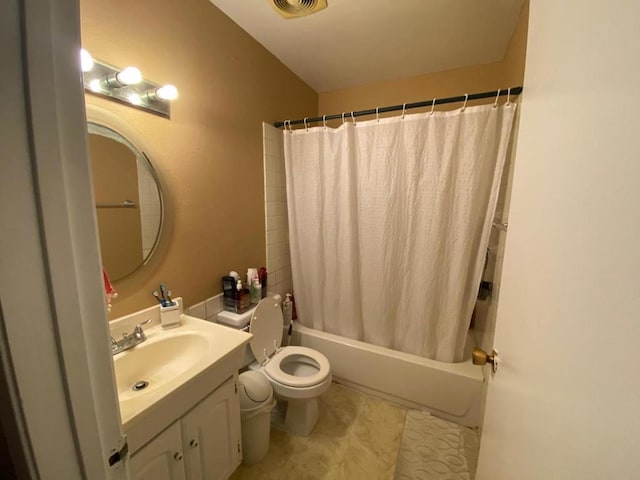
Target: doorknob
(480,357)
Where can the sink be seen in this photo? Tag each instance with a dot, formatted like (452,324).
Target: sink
(173,360)
(156,363)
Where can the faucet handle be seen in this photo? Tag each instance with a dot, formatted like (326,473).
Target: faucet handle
(138,330)
(143,323)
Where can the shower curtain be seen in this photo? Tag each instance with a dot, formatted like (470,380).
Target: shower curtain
(389,220)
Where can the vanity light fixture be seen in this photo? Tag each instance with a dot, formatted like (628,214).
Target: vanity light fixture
(126,86)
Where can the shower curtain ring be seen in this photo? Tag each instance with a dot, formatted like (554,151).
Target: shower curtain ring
(343,114)
(495,105)
(287,125)
(508,98)
(353,118)
(433,105)
(404,107)
(305,124)
(377,114)
(324,121)
(464,105)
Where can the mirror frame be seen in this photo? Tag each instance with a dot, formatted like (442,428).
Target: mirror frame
(116,127)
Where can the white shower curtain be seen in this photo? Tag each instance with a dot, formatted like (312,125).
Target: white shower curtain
(389,221)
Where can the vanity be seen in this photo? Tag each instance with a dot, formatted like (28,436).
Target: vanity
(177,388)
(178,397)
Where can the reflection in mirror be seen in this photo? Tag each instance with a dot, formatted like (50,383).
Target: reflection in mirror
(128,200)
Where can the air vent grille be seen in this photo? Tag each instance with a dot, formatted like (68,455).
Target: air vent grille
(298,8)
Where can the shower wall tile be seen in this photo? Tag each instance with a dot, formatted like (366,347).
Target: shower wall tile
(276,219)
(486,311)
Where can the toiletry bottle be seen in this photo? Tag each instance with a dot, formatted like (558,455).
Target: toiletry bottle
(243,298)
(256,290)
(262,274)
(287,309)
(251,273)
(294,313)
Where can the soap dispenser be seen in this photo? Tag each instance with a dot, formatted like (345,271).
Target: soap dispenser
(287,309)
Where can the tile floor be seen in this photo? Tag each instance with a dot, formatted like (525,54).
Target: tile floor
(357,437)
(362,437)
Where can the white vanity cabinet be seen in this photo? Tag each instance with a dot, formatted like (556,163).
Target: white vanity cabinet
(202,445)
(160,459)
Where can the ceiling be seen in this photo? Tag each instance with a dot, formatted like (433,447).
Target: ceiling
(354,42)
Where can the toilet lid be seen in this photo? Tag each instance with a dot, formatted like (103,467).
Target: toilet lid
(285,361)
(266,326)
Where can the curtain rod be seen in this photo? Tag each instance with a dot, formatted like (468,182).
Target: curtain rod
(407,106)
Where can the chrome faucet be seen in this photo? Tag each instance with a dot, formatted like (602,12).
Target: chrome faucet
(129,340)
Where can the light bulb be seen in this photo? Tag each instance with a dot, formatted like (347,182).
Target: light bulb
(129,76)
(86,60)
(167,92)
(135,99)
(95,86)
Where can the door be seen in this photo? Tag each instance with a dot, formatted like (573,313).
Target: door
(212,435)
(59,405)
(565,401)
(160,459)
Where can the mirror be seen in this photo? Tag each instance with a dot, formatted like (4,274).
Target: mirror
(129,201)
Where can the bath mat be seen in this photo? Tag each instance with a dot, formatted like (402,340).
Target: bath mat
(434,449)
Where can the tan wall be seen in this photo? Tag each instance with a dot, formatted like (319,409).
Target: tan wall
(514,60)
(209,155)
(507,73)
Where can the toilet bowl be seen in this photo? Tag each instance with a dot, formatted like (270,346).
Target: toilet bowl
(298,375)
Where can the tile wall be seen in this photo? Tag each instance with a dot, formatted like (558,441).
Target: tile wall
(277,223)
(486,311)
(149,208)
(206,310)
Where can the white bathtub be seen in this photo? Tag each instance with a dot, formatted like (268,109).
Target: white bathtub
(449,390)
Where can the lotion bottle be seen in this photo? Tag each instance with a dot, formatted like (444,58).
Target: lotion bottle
(287,309)
(256,290)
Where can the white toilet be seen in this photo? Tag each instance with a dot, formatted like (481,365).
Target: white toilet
(299,375)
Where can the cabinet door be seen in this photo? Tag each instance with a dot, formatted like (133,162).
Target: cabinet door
(160,459)
(211,433)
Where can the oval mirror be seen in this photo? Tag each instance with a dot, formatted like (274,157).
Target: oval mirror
(129,202)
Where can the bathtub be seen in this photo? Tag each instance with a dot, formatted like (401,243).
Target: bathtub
(449,390)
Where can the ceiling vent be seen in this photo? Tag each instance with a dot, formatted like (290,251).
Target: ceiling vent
(298,8)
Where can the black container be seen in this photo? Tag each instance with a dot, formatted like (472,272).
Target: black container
(229,293)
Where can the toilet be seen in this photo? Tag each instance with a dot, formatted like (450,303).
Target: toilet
(298,375)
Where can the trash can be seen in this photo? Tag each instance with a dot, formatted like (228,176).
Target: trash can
(256,403)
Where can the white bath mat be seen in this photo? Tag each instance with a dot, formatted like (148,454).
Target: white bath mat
(434,449)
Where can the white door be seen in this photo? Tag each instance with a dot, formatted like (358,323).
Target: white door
(565,402)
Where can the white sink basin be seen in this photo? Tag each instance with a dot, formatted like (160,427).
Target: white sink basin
(169,359)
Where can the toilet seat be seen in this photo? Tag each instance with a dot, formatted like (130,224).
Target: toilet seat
(282,364)
(266,327)
(275,369)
